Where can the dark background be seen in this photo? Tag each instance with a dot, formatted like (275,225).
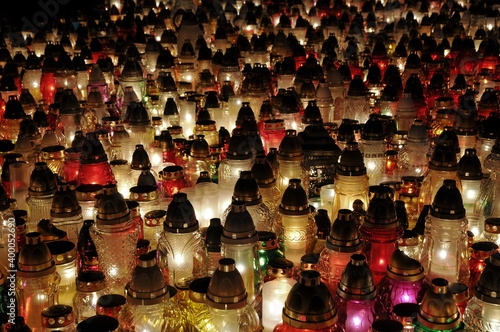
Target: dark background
(12,12)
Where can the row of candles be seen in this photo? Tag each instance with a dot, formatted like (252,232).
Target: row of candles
(395,143)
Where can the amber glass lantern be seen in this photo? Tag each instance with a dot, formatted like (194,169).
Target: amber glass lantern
(295,225)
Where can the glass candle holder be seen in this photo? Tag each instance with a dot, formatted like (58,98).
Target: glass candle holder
(445,253)
(404,282)
(86,196)
(482,310)
(356,303)
(380,231)
(114,228)
(37,281)
(342,242)
(238,245)
(295,225)
(64,254)
(181,247)
(227,300)
(90,286)
(41,193)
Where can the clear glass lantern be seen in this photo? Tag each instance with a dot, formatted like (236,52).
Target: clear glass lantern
(295,225)
(90,286)
(445,244)
(228,300)
(149,300)
(37,281)
(64,254)
(181,249)
(115,236)
(240,241)
(482,312)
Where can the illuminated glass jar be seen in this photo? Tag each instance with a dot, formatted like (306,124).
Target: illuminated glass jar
(54,157)
(404,282)
(64,255)
(240,242)
(471,177)
(342,242)
(181,252)
(40,194)
(356,105)
(290,158)
(12,117)
(86,255)
(480,252)
(325,102)
(66,213)
(321,154)
(173,180)
(94,167)
(246,190)
(238,159)
(486,136)
(263,173)
(491,231)
(411,157)
(373,147)
(445,244)
(90,285)
(295,225)
(380,231)
(153,226)
(482,312)
(115,236)
(357,307)
(298,314)
(442,166)
(230,70)
(96,83)
(32,75)
(199,160)
(228,300)
(86,196)
(140,129)
(351,181)
(149,300)
(438,311)
(213,245)
(273,133)
(487,202)
(59,317)
(132,76)
(37,281)
(268,251)
(95,102)
(197,310)
(208,129)
(70,117)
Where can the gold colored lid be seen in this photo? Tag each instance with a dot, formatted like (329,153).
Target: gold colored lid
(438,310)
